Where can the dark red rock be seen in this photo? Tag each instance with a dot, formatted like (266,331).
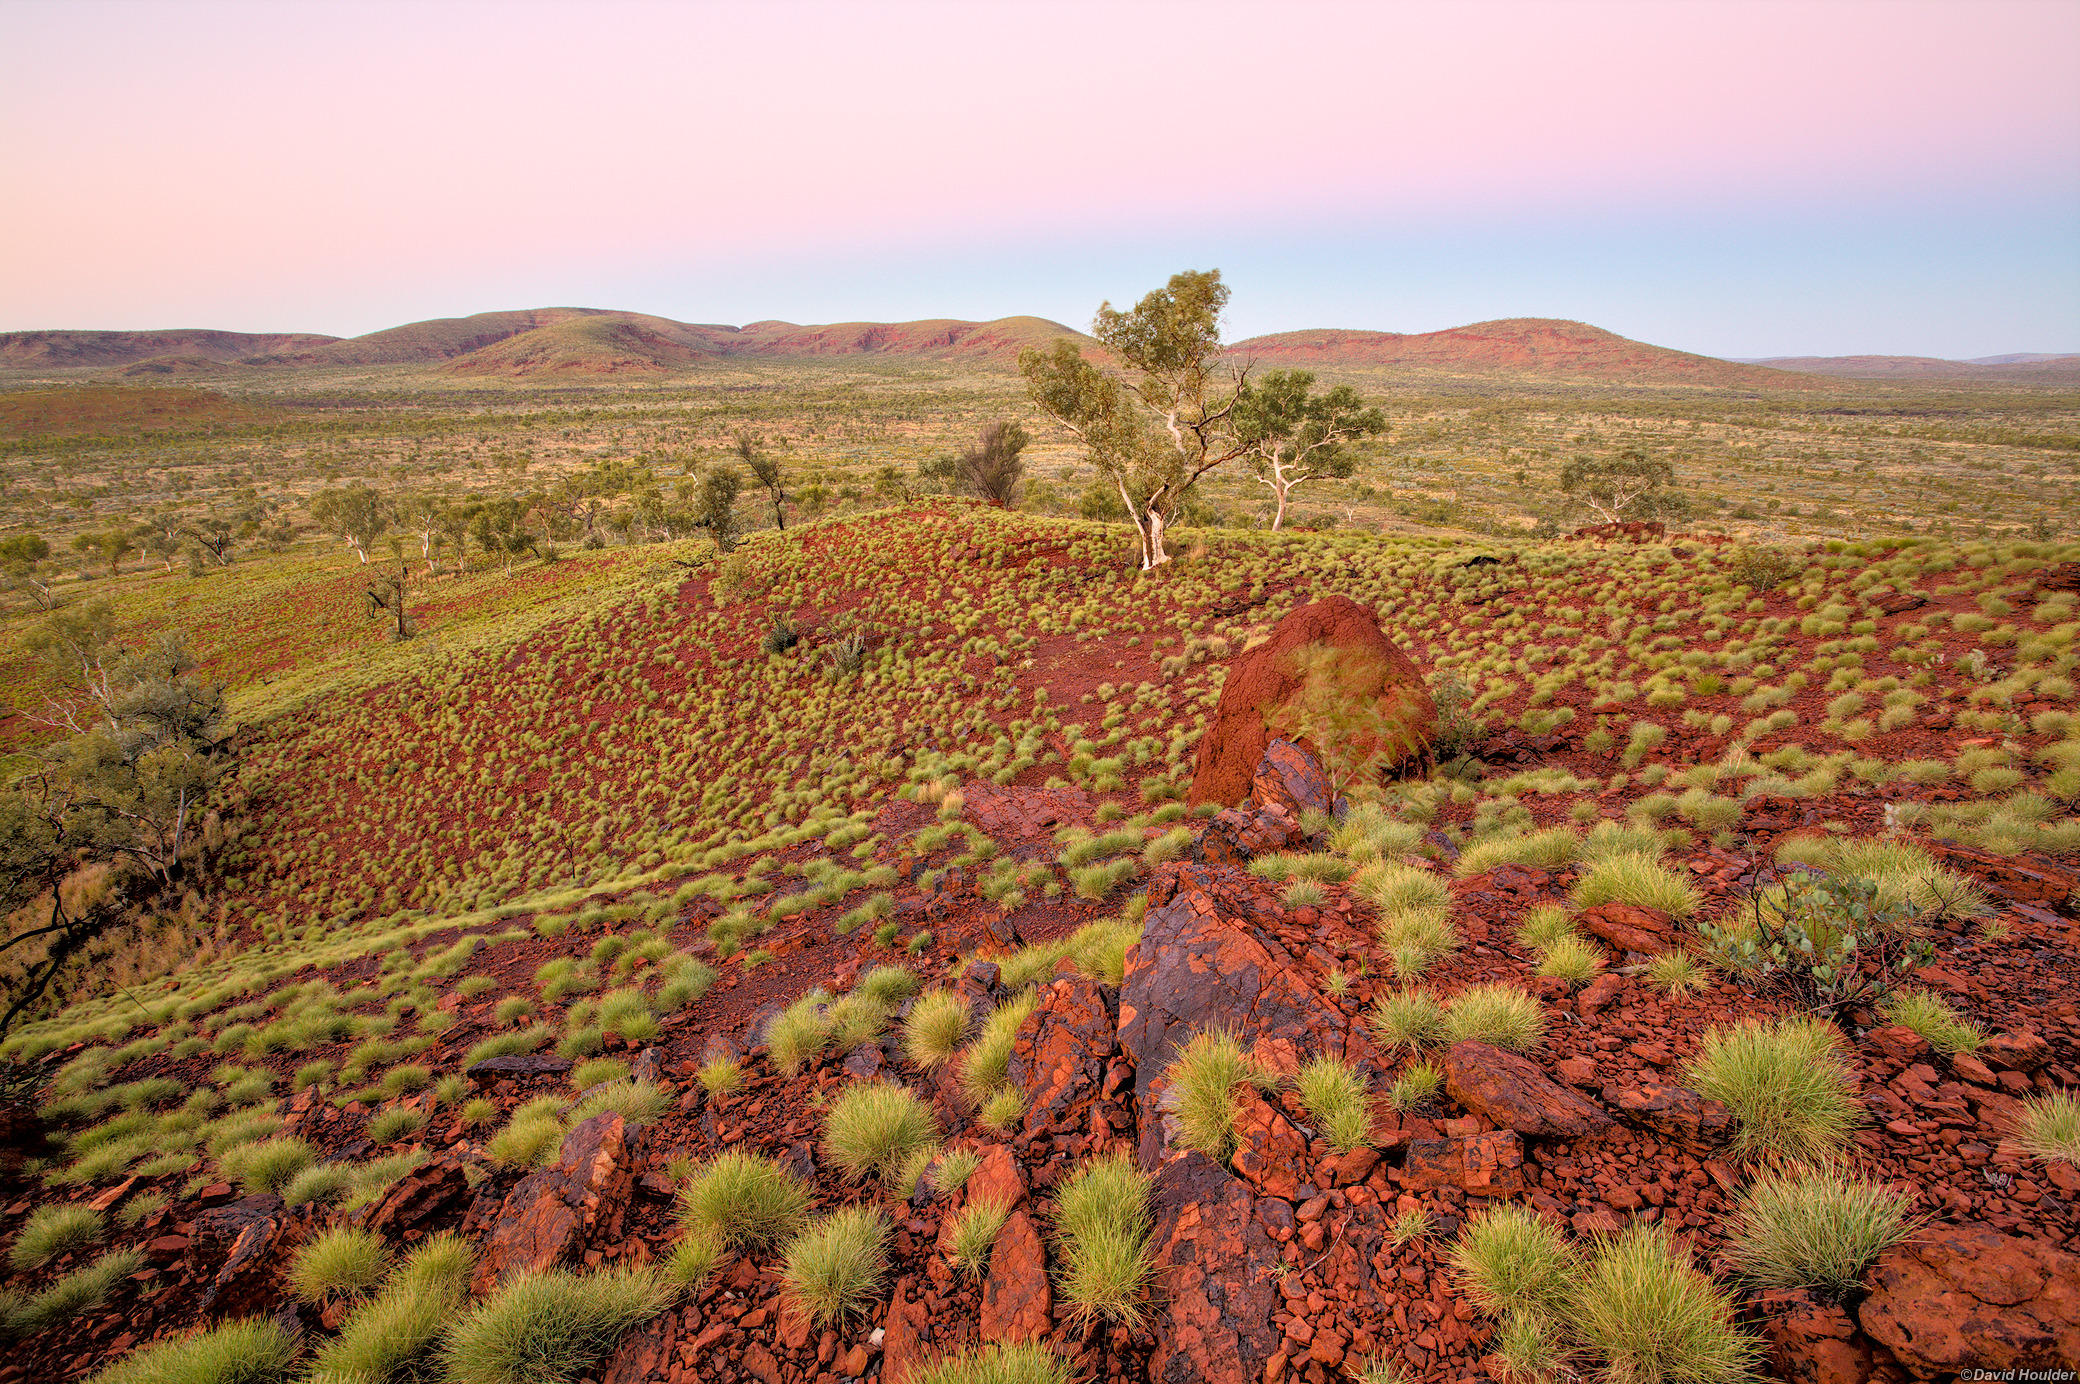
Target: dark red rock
(1269,1153)
(1811,1341)
(1215,1278)
(1630,928)
(1515,1093)
(2018,1050)
(1898,1042)
(1959,1297)
(1597,995)
(1197,969)
(1699,1123)
(1061,1052)
(493,1069)
(644,1354)
(416,1199)
(551,1214)
(1017,1301)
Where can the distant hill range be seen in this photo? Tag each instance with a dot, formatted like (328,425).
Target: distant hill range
(2022,368)
(578,343)
(540,341)
(1535,346)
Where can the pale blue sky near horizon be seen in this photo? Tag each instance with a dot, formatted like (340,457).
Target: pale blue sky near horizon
(1742,178)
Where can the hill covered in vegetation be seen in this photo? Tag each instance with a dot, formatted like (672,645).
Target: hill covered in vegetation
(807,962)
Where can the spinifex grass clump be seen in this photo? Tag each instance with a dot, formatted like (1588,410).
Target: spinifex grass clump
(344,1261)
(544,1327)
(1203,1079)
(2049,1127)
(238,1352)
(741,1201)
(1786,1084)
(1501,1016)
(1407,1018)
(1646,1312)
(51,1231)
(1102,1224)
(975,1230)
(1947,1031)
(1335,1095)
(388,1338)
(999,1364)
(874,1129)
(835,1266)
(1817,1229)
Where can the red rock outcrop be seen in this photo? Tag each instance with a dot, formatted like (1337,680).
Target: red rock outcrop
(1515,1093)
(1195,969)
(1959,1297)
(548,1215)
(1214,1278)
(1327,661)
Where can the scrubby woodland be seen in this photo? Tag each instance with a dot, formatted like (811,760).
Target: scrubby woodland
(720,878)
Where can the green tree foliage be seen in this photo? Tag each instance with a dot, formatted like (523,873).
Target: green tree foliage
(718,511)
(1627,487)
(1167,417)
(765,469)
(1293,436)
(126,787)
(354,513)
(25,566)
(110,546)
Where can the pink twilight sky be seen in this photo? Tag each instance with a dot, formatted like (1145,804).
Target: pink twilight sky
(1743,179)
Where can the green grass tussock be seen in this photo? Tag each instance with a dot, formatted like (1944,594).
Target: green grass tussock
(1646,1312)
(1499,1015)
(834,1267)
(1818,1229)
(344,1261)
(1101,1228)
(740,1201)
(1786,1084)
(874,1129)
(54,1230)
(543,1328)
(251,1351)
